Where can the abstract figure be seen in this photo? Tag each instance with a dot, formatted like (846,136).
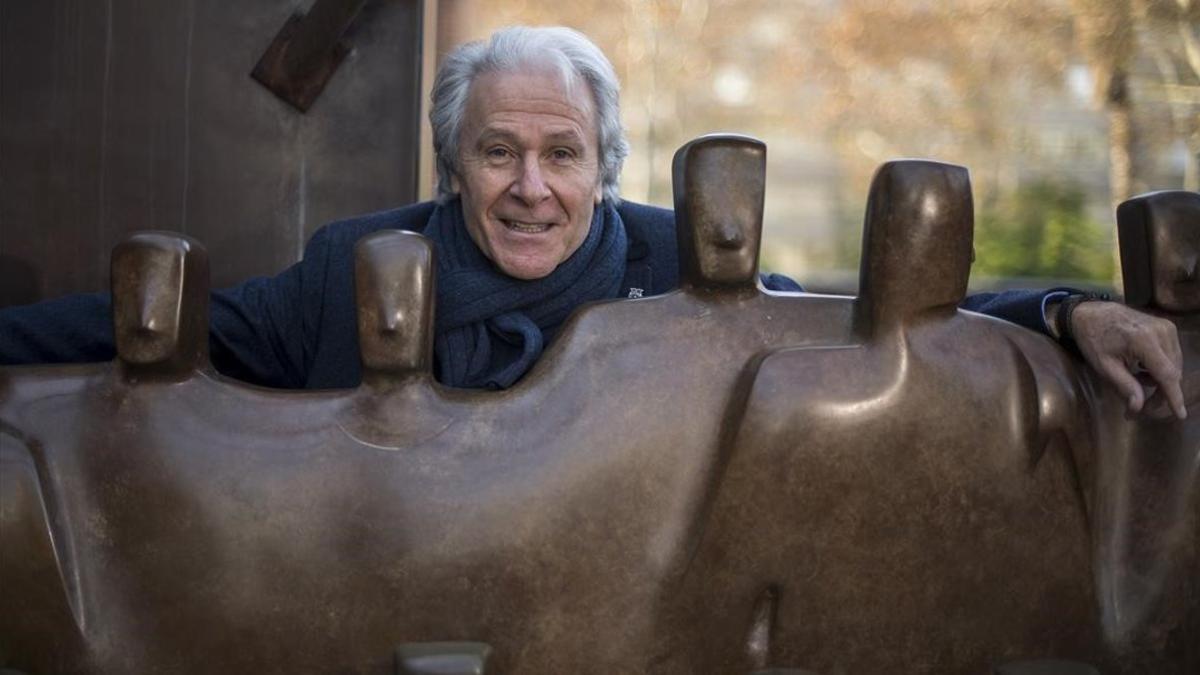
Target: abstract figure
(719,479)
(1147,478)
(160,304)
(918,475)
(1160,251)
(160,317)
(394,285)
(547,521)
(719,244)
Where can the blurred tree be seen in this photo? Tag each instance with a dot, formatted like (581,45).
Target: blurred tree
(1042,230)
(1108,32)
(837,86)
(1171,38)
(944,80)
(1105,31)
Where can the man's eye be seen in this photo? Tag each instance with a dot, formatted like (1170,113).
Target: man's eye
(497,153)
(562,154)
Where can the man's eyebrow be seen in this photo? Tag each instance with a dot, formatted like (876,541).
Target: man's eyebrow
(489,134)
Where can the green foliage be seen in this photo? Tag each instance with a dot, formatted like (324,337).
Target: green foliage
(1042,230)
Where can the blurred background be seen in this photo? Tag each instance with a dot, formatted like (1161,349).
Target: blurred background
(123,115)
(1059,108)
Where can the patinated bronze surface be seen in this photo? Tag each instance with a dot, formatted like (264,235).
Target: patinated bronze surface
(716,480)
(1145,520)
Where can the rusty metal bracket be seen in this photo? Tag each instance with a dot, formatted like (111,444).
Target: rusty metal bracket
(307,50)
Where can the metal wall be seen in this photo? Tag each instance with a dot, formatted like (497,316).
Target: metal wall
(129,115)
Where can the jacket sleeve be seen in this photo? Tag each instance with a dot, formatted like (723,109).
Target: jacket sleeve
(1024,307)
(72,329)
(264,330)
(261,331)
(778,282)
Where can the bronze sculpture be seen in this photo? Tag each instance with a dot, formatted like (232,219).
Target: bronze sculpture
(715,480)
(913,455)
(1145,519)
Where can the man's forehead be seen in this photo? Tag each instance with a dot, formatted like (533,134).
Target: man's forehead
(530,90)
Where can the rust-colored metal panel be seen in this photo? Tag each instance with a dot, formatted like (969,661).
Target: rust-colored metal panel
(124,115)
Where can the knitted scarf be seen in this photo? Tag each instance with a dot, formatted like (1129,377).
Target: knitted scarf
(490,328)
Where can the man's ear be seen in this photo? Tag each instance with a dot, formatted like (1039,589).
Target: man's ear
(599,194)
(455,187)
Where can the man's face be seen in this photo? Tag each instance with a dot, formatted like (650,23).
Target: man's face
(529,169)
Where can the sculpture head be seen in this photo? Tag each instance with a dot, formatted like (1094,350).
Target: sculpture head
(1160,250)
(917,239)
(160,303)
(394,288)
(719,183)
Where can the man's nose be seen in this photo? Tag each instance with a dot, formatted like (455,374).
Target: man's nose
(530,187)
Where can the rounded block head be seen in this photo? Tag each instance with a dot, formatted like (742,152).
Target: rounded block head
(1159,237)
(719,184)
(160,302)
(394,287)
(917,239)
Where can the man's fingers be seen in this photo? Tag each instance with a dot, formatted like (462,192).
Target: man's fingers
(1118,342)
(1167,372)
(1157,407)
(1116,372)
(1175,349)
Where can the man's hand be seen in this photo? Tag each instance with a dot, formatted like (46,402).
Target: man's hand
(1130,348)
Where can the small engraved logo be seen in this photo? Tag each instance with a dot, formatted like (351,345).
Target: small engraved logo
(635,292)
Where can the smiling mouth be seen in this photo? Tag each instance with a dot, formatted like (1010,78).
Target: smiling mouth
(526,228)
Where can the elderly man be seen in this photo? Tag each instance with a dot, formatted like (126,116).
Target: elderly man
(528,225)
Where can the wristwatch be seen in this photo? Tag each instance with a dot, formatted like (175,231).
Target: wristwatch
(1066,308)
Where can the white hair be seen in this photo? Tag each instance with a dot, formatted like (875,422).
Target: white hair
(510,49)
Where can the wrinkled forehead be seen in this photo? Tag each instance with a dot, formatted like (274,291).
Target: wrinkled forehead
(549,62)
(532,78)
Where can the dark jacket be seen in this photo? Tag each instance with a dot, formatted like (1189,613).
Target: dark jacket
(298,329)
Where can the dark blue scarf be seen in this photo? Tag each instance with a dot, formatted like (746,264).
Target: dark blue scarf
(490,327)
